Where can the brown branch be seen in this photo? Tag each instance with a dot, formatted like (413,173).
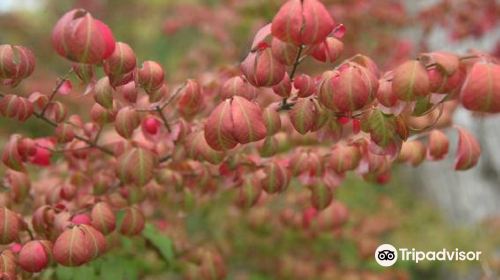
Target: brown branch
(163,118)
(56,89)
(88,141)
(298,59)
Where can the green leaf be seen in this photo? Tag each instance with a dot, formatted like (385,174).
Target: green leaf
(160,241)
(381,127)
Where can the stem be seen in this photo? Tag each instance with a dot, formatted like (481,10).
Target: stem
(297,62)
(298,59)
(163,118)
(165,158)
(88,141)
(56,89)
(32,237)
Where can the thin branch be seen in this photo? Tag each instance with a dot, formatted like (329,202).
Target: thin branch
(32,237)
(298,59)
(56,89)
(163,118)
(88,141)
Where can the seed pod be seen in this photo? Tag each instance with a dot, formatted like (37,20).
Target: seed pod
(285,53)
(261,68)
(276,179)
(7,264)
(79,37)
(321,196)
(306,163)
(103,218)
(136,166)
(38,101)
(133,221)
(248,123)
(412,152)
(120,63)
(64,133)
(56,111)
(102,116)
(190,100)
(127,120)
(150,76)
(238,86)
(73,247)
(302,22)
(16,63)
(104,93)
(481,89)
(305,85)
(68,191)
(11,156)
(81,219)
(347,89)
(385,94)
(328,51)
(35,255)
(234,121)
(16,107)
(283,88)
(85,72)
(410,81)
(272,120)
(303,115)
(438,145)
(344,158)
(97,240)
(249,192)
(269,147)
(468,150)
(198,148)
(219,128)
(11,225)
(150,125)
(19,184)
(128,92)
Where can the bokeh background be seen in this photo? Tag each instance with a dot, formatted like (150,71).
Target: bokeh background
(429,207)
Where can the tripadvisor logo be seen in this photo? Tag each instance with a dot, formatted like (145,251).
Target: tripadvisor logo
(387,255)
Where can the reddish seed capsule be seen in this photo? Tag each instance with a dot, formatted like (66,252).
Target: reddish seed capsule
(136,166)
(151,125)
(16,63)
(410,81)
(302,22)
(261,68)
(328,51)
(305,85)
(150,76)
(120,65)
(35,255)
(277,178)
(79,37)
(9,221)
(103,218)
(16,107)
(191,99)
(133,221)
(348,89)
(73,247)
(81,219)
(127,120)
(238,86)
